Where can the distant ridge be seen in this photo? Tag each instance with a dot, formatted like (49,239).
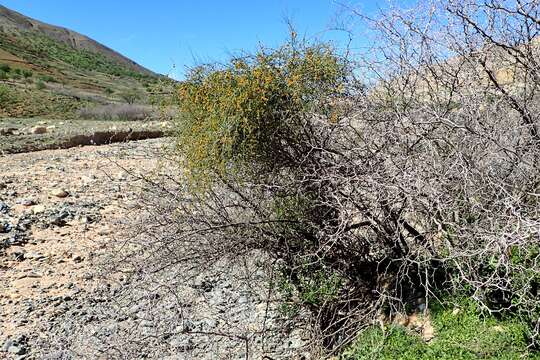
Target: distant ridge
(12,20)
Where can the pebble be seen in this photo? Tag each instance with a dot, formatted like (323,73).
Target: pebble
(59,193)
(17,350)
(182,343)
(34,255)
(7,344)
(38,209)
(27,202)
(4,208)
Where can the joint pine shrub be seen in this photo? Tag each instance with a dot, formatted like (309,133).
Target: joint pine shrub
(250,113)
(421,183)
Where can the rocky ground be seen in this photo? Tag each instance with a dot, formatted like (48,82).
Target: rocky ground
(66,294)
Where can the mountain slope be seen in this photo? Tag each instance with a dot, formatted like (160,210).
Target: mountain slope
(52,71)
(13,21)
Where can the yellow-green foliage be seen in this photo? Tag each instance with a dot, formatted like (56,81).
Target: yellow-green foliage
(250,110)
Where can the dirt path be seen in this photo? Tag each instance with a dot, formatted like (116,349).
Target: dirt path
(59,211)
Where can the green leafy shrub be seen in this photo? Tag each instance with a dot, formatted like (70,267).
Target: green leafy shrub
(251,111)
(47,78)
(5,68)
(131,96)
(7,96)
(40,85)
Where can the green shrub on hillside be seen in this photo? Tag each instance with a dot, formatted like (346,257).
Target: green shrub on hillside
(131,96)
(27,73)
(47,78)
(5,68)
(7,96)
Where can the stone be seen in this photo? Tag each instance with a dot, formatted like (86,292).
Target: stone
(58,220)
(7,344)
(36,130)
(182,343)
(27,202)
(8,131)
(30,274)
(5,227)
(34,256)
(38,209)
(17,350)
(428,332)
(146,323)
(59,193)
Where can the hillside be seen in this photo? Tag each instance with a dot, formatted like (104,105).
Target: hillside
(14,21)
(46,70)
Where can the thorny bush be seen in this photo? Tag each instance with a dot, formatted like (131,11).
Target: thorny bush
(420,183)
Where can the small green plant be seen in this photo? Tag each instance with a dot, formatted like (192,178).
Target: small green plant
(319,288)
(7,96)
(27,73)
(47,78)
(40,85)
(108,91)
(311,287)
(130,96)
(5,68)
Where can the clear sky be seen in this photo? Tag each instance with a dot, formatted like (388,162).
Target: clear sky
(168,35)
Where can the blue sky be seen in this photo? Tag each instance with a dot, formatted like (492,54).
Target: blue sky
(168,35)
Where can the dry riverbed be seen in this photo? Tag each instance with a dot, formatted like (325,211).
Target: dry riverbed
(60,210)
